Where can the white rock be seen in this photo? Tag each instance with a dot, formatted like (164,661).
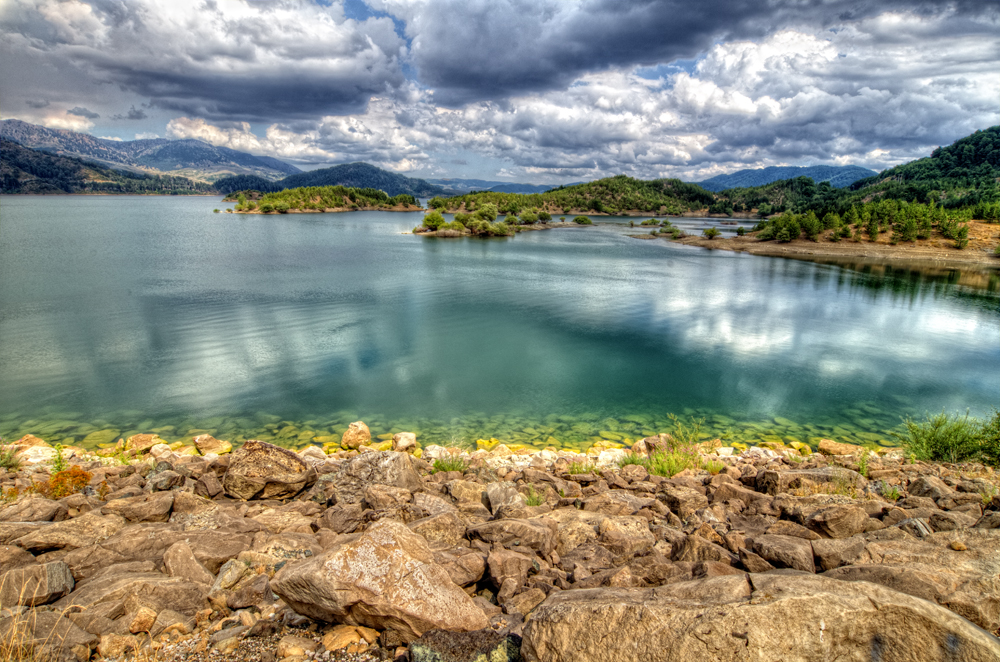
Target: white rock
(610,457)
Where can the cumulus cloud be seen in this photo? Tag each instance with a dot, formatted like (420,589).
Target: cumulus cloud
(220,59)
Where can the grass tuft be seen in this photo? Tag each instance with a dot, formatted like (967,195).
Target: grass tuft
(453,463)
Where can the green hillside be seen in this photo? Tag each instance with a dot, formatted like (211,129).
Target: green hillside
(319,198)
(611,195)
(25,170)
(961,176)
(350,175)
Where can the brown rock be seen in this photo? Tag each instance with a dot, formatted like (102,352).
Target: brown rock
(147,508)
(143,621)
(506,565)
(695,548)
(753,562)
(523,603)
(626,537)
(776,617)
(683,500)
(537,534)
(343,518)
(832,554)
(179,561)
(206,443)
(141,443)
(263,471)
(831,479)
(33,585)
(464,566)
(82,531)
(34,509)
(385,579)
(404,442)
(442,646)
(930,487)
(831,447)
(786,528)
(785,552)
(50,636)
(444,530)
(349,480)
(357,435)
(838,521)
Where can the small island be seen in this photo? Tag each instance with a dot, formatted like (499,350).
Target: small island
(483,222)
(318,199)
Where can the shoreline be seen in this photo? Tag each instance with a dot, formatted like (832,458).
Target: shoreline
(935,252)
(327,210)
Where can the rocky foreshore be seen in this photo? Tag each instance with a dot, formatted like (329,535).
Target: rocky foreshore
(193,552)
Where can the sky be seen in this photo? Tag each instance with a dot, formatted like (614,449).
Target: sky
(536,91)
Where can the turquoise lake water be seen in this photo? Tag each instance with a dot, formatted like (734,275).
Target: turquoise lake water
(136,314)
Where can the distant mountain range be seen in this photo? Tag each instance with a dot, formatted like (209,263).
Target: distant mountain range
(356,175)
(25,170)
(193,159)
(838,176)
(455,186)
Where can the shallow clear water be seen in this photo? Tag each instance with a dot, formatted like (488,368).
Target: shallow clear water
(127,314)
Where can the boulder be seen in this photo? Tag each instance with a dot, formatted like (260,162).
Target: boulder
(626,537)
(444,530)
(47,636)
(832,554)
(34,509)
(141,443)
(683,500)
(831,479)
(83,531)
(693,549)
(35,585)
(264,471)
(146,508)
(356,435)
(831,447)
(760,617)
(404,442)
(838,521)
(206,443)
(111,591)
(785,552)
(179,561)
(386,579)
(349,480)
(536,534)
(502,494)
(930,487)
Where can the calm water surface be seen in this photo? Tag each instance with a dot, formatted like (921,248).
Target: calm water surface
(125,314)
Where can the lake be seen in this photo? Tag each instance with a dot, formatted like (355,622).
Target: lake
(137,314)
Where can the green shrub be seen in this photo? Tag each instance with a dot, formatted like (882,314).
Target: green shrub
(740,231)
(215,211)
(672,463)
(711,233)
(510,219)
(583,220)
(282,207)
(650,221)
(997,251)
(462,218)
(453,463)
(59,461)
(434,220)
(634,458)
(544,216)
(533,498)
(942,438)
(714,467)
(437,202)
(580,468)
(267,207)
(8,458)
(529,218)
(989,439)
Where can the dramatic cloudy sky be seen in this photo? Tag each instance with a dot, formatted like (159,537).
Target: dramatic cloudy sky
(524,90)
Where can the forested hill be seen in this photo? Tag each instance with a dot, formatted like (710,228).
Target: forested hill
(24,170)
(963,175)
(188,158)
(351,175)
(610,196)
(837,176)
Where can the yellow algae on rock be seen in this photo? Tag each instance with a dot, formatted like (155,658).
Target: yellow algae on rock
(100,437)
(484,445)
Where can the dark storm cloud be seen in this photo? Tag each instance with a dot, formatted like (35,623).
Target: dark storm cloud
(133,114)
(83,112)
(281,60)
(470,50)
(37,103)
